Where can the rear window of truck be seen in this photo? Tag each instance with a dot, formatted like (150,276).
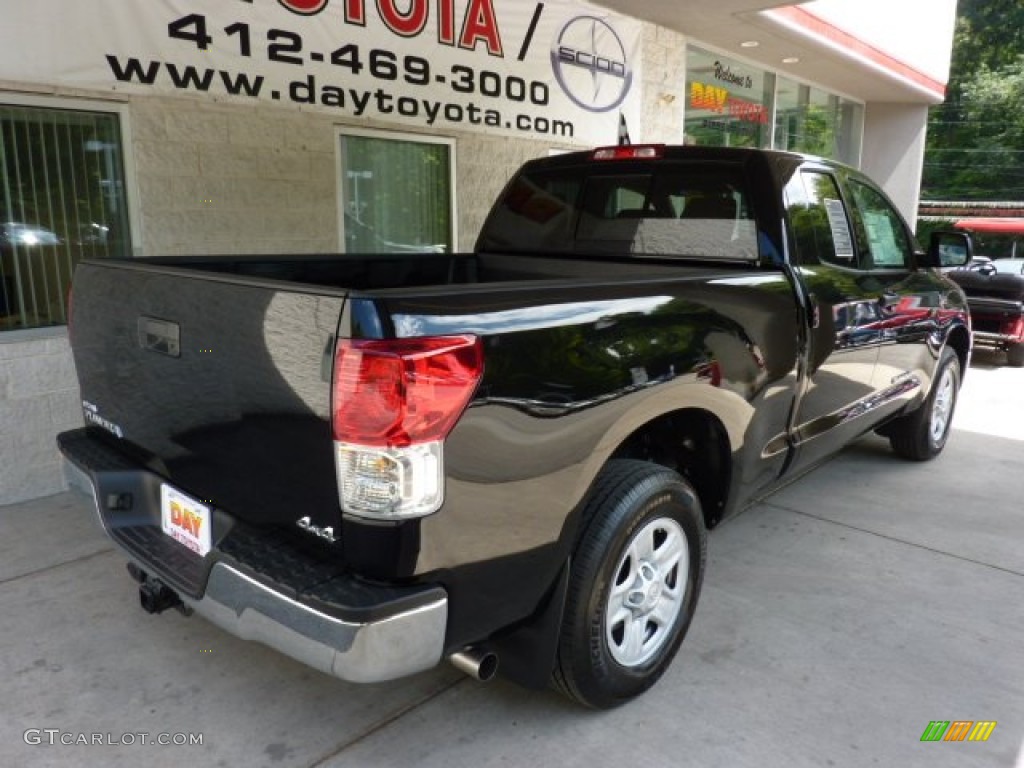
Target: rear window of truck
(682,209)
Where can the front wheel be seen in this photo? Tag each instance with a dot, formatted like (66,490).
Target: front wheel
(634,584)
(922,434)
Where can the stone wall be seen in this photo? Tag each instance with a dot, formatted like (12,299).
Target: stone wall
(664,87)
(227,179)
(214,178)
(38,398)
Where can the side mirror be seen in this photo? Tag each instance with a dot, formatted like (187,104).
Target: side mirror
(949,250)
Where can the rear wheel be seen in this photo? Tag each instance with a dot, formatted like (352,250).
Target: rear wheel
(922,434)
(635,580)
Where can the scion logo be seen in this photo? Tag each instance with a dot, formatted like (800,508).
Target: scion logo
(589,61)
(304,7)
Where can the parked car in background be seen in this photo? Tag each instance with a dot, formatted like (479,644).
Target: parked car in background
(15,233)
(995,292)
(28,250)
(1001,267)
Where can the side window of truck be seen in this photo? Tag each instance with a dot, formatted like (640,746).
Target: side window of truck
(821,228)
(880,228)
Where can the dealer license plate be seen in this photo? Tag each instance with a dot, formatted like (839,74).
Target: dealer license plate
(185,520)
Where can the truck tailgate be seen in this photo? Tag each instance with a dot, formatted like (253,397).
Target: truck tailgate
(220,383)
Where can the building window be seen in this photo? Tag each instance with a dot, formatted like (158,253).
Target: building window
(62,199)
(728,103)
(397,193)
(813,121)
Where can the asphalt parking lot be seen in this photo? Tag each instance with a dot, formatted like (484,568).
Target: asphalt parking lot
(838,618)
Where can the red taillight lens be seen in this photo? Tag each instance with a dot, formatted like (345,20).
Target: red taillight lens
(398,392)
(1016,328)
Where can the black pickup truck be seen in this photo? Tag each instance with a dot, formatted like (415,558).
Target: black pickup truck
(376,462)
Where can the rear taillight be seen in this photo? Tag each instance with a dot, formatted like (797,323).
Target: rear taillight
(394,402)
(1015,328)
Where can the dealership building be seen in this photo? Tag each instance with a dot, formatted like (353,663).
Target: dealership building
(317,126)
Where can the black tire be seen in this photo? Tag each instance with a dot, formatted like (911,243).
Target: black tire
(921,435)
(632,504)
(1015,355)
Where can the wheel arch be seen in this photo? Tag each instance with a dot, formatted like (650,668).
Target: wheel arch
(959,340)
(695,443)
(675,439)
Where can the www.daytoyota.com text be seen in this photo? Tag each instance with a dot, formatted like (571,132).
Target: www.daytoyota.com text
(485,88)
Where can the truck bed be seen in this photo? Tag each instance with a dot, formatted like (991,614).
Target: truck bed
(382,272)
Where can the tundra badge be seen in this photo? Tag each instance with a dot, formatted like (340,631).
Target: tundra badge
(92,415)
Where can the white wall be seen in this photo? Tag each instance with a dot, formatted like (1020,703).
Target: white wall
(917,32)
(893,153)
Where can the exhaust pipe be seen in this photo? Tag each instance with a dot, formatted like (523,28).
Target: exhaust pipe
(478,663)
(155,597)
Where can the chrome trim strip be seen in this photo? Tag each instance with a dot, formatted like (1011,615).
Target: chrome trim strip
(375,651)
(994,338)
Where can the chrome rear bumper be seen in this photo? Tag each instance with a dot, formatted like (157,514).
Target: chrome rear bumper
(320,616)
(394,646)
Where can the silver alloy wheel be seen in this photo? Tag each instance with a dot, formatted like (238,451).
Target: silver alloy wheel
(942,406)
(646,595)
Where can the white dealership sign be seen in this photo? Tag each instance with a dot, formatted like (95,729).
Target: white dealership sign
(560,70)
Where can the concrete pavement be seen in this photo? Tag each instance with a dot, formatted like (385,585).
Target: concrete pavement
(838,619)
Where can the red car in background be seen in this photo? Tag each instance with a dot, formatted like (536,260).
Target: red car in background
(995,292)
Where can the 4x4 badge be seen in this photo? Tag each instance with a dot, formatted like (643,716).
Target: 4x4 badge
(306,524)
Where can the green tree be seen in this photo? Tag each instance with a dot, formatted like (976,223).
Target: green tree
(989,34)
(975,148)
